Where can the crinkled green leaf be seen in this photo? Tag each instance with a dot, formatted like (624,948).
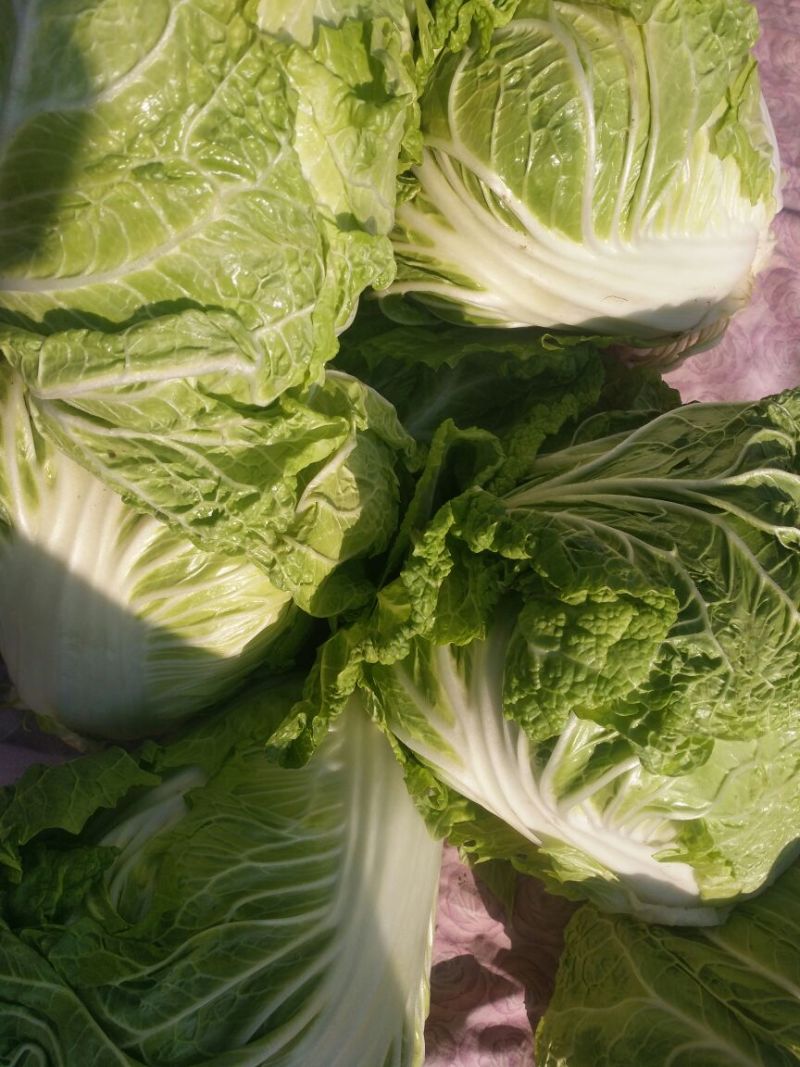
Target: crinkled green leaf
(449,24)
(64,798)
(704,499)
(497,380)
(604,660)
(298,488)
(260,182)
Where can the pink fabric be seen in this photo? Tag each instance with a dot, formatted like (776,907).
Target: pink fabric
(492,974)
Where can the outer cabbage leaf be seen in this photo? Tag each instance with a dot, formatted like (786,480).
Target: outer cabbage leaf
(596,166)
(631,993)
(299,488)
(526,389)
(506,383)
(702,503)
(672,849)
(127,192)
(595,674)
(230,913)
(111,623)
(460,392)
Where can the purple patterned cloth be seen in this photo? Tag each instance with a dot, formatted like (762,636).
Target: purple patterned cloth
(493,973)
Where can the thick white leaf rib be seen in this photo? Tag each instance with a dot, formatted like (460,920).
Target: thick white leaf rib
(124,625)
(474,752)
(331,910)
(680,243)
(547,280)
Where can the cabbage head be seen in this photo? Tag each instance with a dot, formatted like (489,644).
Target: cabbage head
(112,623)
(147,566)
(593,672)
(607,167)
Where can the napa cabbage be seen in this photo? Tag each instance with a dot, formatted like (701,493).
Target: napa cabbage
(592,672)
(193,903)
(607,167)
(124,610)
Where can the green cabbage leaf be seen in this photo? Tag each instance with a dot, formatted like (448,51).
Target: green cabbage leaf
(300,488)
(627,992)
(181,156)
(594,673)
(595,166)
(195,904)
